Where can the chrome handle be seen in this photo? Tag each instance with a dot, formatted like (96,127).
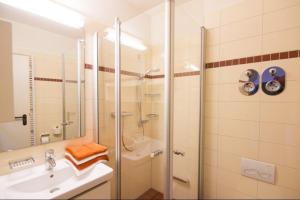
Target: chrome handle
(185,181)
(179,153)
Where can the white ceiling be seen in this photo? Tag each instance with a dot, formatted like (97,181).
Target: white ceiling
(105,11)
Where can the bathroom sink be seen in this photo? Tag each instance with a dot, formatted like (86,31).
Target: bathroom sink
(60,183)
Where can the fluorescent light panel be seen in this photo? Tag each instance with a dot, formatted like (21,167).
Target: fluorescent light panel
(126,40)
(49,10)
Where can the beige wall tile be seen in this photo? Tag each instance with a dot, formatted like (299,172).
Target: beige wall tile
(280,154)
(280,41)
(212,53)
(281,19)
(230,162)
(241,48)
(272,5)
(242,147)
(211,125)
(242,10)
(211,141)
(211,109)
(284,112)
(212,76)
(211,157)
(211,92)
(239,110)
(288,177)
(239,128)
(268,191)
(242,29)
(227,192)
(237,182)
(279,133)
(213,36)
(210,178)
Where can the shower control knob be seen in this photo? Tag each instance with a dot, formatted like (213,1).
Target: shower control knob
(249,82)
(272,71)
(248,73)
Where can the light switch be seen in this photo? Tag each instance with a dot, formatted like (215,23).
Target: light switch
(258,170)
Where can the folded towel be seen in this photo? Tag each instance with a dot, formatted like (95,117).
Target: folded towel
(87,164)
(85,159)
(80,152)
(96,148)
(86,170)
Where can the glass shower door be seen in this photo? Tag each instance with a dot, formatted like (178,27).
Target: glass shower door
(187,93)
(142,102)
(132,85)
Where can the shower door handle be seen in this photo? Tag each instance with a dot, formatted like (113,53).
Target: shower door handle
(23,118)
(179,153)
(67,123)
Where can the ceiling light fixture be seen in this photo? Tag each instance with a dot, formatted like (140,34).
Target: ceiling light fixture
(126,40)
(49,10)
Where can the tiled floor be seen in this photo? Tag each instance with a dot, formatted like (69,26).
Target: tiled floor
(151,195)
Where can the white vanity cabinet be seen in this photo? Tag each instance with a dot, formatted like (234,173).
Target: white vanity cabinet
(101,191)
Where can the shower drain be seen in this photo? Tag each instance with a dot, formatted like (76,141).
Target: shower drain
(54,190)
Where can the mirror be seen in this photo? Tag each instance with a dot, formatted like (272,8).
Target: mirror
(42,80)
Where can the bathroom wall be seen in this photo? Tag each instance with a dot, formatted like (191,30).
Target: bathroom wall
(259,127)
(59,147)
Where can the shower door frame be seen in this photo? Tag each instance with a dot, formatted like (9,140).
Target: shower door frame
(169,97)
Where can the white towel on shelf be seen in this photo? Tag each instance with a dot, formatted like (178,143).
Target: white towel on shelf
(86,170)
(85,159)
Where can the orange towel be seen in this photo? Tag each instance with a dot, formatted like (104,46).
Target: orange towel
(97,148)
(80,152)
(87,164)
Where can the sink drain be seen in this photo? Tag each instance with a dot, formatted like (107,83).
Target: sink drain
(54,190)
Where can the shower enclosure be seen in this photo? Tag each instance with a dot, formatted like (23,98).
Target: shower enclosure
(149,103)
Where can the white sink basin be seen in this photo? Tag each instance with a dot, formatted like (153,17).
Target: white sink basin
(61,183)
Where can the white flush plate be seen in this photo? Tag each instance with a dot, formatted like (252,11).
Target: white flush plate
(258,170)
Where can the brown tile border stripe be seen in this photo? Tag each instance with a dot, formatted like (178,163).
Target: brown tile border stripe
(88,66)
(181,74)
(128,73)
(223,63)
(255,59)
(54,80)
(155,76)
(71,81)
(47,79)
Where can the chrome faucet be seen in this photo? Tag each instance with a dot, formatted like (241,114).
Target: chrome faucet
(50,161)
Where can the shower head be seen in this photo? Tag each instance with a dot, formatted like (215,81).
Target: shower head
(148,71)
